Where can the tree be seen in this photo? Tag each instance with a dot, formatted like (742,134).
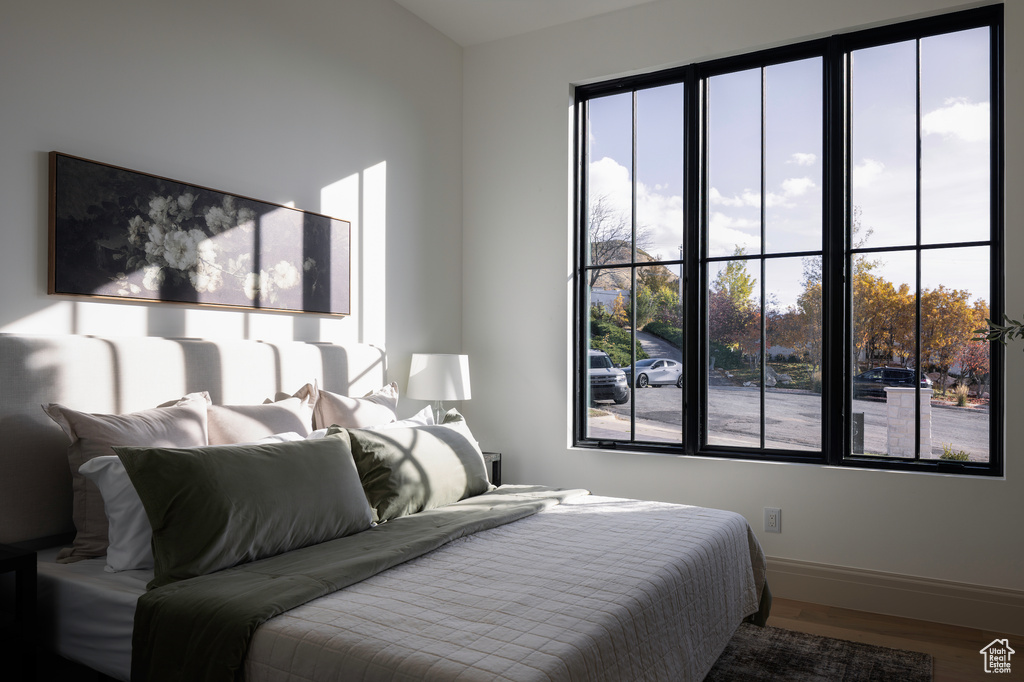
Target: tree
(734,317)
(974,356)
(947,322)
(610,236)
(734,280)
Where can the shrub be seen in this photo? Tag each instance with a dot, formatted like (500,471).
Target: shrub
(670,333)
(956,455)
(725,357)
(614,340)
(961,394)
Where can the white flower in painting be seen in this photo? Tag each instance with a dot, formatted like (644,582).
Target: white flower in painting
(258,286)
(236,266)
(159,206)
(218,220)
(309,264)
(246,215)
(206,276)
(155,246)
(186,200)
(136,226)
(285,275)
(153,277)
(124,286)
(181,248)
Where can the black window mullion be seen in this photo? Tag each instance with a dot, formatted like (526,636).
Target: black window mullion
(763,354)
(695,360)
(836,322)
(634,257)
(918,364)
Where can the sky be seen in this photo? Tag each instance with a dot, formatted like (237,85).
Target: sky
(954,156)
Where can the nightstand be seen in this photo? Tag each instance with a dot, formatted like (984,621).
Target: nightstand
(17,630)
(494,459)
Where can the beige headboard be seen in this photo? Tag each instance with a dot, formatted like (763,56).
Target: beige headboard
(116,375)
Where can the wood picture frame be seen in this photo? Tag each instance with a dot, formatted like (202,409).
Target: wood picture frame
(120,234)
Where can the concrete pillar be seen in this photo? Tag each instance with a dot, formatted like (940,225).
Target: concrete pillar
(900,417)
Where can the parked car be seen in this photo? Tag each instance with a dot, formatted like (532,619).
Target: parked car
(873,382)
(607,382)
(656,372)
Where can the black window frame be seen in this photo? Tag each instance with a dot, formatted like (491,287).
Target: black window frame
(836,246)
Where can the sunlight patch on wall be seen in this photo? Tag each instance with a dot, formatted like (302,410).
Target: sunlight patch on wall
(362,199)
(207,323)
(58,318)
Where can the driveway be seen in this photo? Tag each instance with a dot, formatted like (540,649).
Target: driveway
(658,347)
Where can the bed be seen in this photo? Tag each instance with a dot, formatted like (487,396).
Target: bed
(457,579)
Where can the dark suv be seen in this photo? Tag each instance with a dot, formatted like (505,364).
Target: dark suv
(607,382)
(874,381)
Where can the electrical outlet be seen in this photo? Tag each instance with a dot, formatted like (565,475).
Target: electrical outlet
(772,520)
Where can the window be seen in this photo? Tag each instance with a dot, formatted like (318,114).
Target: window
(784,255)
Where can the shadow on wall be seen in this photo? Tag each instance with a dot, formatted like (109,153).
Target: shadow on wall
(105,375)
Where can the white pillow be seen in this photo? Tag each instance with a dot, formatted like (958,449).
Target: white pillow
(375,408)
(128,531)
(424,417)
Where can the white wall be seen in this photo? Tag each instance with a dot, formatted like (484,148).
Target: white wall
(348,108)
(517,212)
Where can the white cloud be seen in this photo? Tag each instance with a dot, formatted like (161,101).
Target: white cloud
(747,198)
(791,188)
(866,172)
(958,118)
(802,159)
(726,232)
(795,187)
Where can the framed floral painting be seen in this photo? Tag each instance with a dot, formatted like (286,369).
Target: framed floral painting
(121,234)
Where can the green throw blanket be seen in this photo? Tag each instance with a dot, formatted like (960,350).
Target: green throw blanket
(199,629)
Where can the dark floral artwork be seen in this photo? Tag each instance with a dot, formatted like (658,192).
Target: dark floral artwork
(122,234)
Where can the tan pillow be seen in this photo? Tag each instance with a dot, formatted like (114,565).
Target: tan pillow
(229,424)
(373,409)
(92,435)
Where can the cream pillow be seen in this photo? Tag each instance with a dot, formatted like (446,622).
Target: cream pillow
(330,409)
(92,435)
(246,423)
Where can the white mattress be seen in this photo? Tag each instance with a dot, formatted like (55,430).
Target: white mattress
(86,614)
(593,589)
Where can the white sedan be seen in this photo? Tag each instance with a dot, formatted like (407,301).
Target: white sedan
(657,372)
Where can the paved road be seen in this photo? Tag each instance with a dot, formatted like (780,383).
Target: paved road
(792,420)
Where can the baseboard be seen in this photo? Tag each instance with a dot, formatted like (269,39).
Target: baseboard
(994,609)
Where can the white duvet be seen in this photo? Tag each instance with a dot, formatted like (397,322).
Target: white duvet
(593,589)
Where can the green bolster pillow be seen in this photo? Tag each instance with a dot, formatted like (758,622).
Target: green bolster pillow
(405,470)
(216,507)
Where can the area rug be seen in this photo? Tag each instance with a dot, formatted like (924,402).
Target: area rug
(773,654)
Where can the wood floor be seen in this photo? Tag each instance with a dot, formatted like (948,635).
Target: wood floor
(955,650)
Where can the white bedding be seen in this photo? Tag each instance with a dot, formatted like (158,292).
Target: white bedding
(86,614)
(593,589)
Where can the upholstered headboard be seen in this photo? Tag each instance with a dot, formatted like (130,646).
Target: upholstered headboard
(117,375)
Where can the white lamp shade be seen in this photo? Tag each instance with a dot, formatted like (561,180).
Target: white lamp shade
(438,376)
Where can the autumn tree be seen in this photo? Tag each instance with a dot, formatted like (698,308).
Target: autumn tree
(947,322)
(974,356)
